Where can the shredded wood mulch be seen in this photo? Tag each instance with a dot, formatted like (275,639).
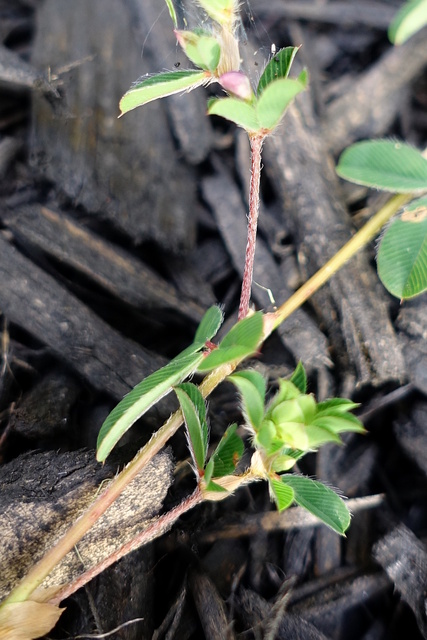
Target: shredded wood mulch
(116,236)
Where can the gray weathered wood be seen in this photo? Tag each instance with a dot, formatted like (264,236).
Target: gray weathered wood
(124,171)
(353,305)
(114,269)
(372,102)
(42,495)
(403,557)
(34,301)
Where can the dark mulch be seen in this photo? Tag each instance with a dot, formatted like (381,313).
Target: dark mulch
(116,236)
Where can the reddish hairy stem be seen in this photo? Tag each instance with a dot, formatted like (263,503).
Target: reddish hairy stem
(156,528)
(256,142)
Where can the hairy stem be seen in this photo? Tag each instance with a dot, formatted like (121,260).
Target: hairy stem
(245,296)
(152,531)
(357,242)
(271,321)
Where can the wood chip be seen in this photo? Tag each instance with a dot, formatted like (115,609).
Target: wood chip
(116,270)
(121,170)
(33,300)
(352,306)
(404,559)
(43,494)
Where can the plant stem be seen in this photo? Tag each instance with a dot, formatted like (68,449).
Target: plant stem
(357,242)
(152,531)
(39,572)
(256,142)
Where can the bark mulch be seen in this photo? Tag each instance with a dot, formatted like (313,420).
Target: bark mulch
(117,234)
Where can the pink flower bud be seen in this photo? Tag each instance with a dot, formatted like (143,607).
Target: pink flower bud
(237,83)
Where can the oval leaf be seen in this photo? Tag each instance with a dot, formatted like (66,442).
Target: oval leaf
(194,411)
(278,67)
(402,258)
(223,11)
(230,449)
(141,398)
(384,164)
(242,340)
(274,101)
(283,494)
(319,500)
(299,378)
(201,48)
(235,110)
(209,325)
(411,18)
(251,386)
(160,86)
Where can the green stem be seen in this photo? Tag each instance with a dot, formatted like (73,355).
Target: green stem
(357,242)
(41,570)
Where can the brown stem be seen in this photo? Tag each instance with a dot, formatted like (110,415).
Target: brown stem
(155,529)
(256,142)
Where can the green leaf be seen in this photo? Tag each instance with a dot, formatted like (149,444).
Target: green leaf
(402,254)
(194,411)
(339,423)
(336,406)
(278,67)
(320,435)
(242,340)
(275,99)
(208,327)
(246,333)
(287,391)
(160,86)
(238,111)
(410,18)
(299,378)
(141,398)
(320,500)
(172,12)
(213,486)
(201,48)
(384,164)
(282,493)
(223,11)
(227,454)
(251,385)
